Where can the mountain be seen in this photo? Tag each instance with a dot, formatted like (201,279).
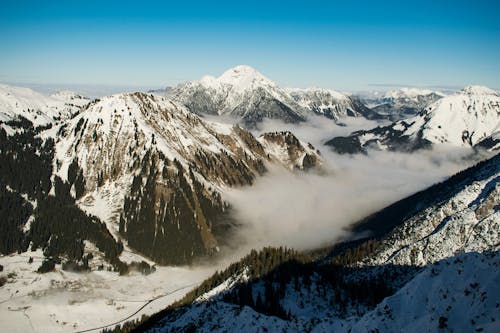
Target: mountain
(405,102)
(248,96)
(161,91)
(432,266)
(330,103)
(240,92)
(161,170)
(41,110)
(464,119)
(134,171)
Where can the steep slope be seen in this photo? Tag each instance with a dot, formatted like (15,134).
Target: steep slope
(38,212)
(455,294)
(161,170)
(240,92)
(330,103)
(405,102)
(41,110)
(460,215)
(463,119)
(435,270)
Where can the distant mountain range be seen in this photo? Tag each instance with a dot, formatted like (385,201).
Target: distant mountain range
(469,118)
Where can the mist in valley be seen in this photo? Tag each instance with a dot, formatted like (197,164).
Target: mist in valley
(307,210)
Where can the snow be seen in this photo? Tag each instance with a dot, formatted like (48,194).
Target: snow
(323,101)
(451,227)
(243,78)
(452,248)
(463,289)
(235,88)
(462,119)
(63,301)
(38,108)
(451,116)
(318,91)
(409,93)
(398,127)
(479,90)
(237,80)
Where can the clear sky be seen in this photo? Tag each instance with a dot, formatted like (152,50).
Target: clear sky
(347,45)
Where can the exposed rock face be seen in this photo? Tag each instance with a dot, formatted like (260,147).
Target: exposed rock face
(290,149)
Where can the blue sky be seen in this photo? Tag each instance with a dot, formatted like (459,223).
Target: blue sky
(347,45)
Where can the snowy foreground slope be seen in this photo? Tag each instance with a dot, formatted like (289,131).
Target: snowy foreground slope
(465,119)
(436,270)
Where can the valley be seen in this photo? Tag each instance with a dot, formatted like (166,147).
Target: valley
(232,194)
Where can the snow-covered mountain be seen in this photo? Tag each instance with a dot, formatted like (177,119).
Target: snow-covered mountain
(250,97)
(329,103)
(405,102)
(463,119)
(40,109)
(240,92)
(436,268)
(161,170)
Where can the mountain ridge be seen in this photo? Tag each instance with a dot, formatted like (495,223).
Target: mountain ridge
(463,120)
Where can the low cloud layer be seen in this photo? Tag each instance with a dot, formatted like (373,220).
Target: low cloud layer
(308,210)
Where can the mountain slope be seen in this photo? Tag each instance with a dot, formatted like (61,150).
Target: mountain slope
(405,102)
(240,92)
(329,103)
(161,170)
(463,120)
(437,269)
(41,110)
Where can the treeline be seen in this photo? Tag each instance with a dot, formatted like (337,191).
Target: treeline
(57,225)
(14,213)
(26,160)
(257,264)
(274,273)
(60,228)
(25,167)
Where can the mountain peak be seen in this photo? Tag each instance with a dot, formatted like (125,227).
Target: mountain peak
(241,70)
(244,77)
(478,90)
